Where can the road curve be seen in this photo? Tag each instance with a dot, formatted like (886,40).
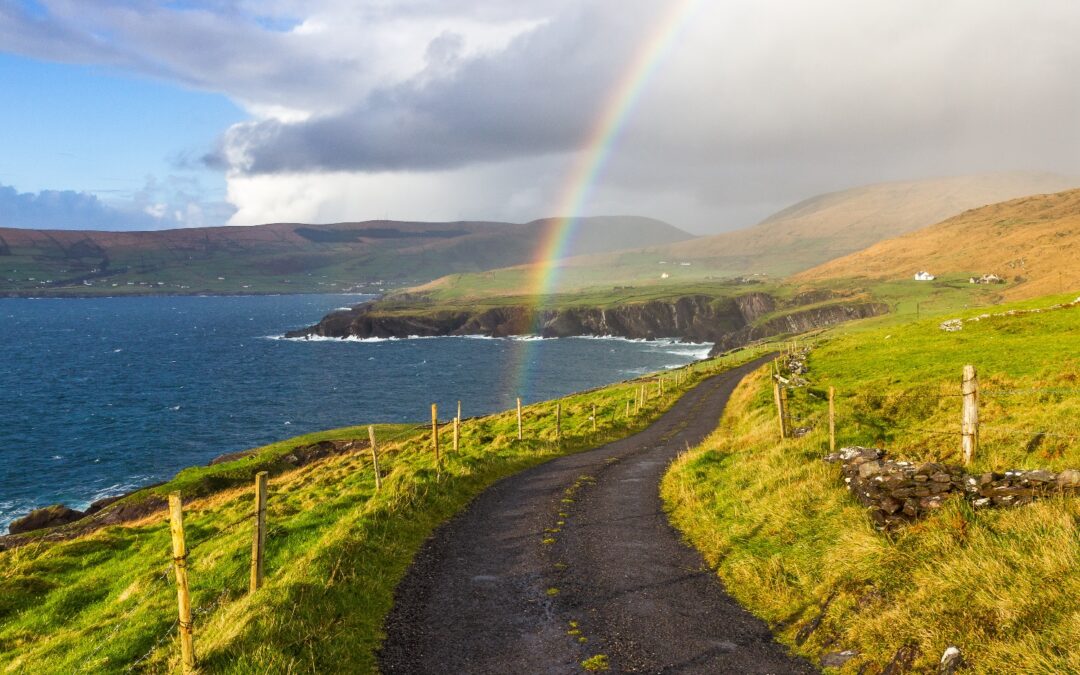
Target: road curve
(495,590)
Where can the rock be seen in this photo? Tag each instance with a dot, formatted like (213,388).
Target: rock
(951,661)
(838,659)
(952,325)
(941,477)
(890,505)
(934,502)
(102,503)
(1068,478)
(854,452)
(940,488)
(1041,476)
(911,507)
(869,469)
(50,516)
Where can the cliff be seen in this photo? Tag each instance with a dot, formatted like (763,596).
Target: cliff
(728,322)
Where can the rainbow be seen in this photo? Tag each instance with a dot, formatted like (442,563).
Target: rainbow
(590,163)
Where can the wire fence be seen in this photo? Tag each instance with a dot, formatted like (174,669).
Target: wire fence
(801,408)
(227,582)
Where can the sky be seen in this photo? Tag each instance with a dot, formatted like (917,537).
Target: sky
(124,114)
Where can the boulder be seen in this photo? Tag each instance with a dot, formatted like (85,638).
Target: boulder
(50,516)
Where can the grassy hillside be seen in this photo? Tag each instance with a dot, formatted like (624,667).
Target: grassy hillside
(336,548)
(288,257)
(793,546)
(1032,242)
(799,237)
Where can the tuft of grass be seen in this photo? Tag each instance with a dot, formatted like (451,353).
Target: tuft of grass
(596,664)
(795,548)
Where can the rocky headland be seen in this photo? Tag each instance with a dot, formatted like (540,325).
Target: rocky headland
(727,322)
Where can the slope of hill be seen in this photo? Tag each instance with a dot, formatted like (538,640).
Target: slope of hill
(831,225)
(289,257)
(785,533)
(1032,242)
(799,237)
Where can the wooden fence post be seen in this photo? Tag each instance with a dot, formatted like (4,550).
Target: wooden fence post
(558,421)
(594,417)
(459,410)
(519,417)
(661,386)
(435,435)
(969,424)
(258,539)
(779,398)
(627,408)
(183,595)
(457,431)
(832,419)
(374,457)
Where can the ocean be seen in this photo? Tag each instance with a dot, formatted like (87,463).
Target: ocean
(101,396)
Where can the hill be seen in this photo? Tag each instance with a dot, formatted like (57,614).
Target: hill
(801,236)
(1033,243)
(831,225)
(289,257)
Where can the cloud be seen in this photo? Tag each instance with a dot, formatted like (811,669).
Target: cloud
(64,209)
(480,107)
(158,205)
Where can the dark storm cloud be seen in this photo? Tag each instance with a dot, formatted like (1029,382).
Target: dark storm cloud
(540,95)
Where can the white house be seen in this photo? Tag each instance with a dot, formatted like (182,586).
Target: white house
(924,276)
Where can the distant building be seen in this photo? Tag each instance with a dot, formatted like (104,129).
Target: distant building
(924,276)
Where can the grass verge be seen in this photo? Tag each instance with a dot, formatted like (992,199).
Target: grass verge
(795,548)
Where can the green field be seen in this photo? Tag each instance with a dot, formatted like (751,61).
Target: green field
(336,549)
(794,547)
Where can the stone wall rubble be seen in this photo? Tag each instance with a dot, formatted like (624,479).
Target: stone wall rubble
(897,492)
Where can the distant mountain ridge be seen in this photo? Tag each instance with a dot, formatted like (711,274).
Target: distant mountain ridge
(830,225)
(291,257)
(801,236)
(1033,243)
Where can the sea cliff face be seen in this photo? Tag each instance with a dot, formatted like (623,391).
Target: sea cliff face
(728,322)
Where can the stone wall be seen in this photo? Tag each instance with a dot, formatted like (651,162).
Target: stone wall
(896,492)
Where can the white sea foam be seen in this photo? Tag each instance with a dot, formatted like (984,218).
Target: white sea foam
(674,346)
(324,338)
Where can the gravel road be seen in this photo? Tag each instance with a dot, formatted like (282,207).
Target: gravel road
(496,590)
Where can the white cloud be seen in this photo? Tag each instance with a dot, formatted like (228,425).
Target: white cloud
(441,109)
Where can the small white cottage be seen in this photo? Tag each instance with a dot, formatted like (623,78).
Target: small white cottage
(924,276)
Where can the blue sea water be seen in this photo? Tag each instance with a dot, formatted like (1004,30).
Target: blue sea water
(99,396)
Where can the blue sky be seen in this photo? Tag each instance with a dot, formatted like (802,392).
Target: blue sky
(65,127)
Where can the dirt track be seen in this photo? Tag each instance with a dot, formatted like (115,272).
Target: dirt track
(486,594)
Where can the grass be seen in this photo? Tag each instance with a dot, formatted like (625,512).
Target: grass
(336,549)
(794,547)
(1031,242)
